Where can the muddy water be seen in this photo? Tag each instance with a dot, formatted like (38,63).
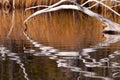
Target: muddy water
(63,45)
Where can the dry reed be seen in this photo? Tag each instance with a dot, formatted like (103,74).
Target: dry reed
(28,3)
(21,4)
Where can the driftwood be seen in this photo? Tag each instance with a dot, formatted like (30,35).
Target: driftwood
(110,25)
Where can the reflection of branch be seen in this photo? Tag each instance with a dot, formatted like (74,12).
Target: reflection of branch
(109,40)
(23,68)
(12,56)
(16,58)
(11,28)
(86,73)
(18,61)
(2,52)
(66,59)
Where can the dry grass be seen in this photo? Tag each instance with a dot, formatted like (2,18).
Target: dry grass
(28,3)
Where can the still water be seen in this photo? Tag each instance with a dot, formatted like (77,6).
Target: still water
(63,45)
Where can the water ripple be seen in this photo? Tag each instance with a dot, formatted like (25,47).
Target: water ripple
(65,59)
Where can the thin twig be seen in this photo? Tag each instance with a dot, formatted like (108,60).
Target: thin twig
(101,2)
(107,7)
(35,7)
(115,6)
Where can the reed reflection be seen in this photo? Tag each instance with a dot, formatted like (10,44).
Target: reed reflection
(66,59)
(4,52)
(51,48)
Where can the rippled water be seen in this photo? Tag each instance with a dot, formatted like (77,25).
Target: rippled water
(63,45)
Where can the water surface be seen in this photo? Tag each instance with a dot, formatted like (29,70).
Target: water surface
(63,45)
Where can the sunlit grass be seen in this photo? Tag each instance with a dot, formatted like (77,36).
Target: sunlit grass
(30,3)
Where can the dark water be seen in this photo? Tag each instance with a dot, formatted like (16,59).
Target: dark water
(63,45)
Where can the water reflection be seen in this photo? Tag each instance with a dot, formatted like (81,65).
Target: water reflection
(73,55)
(65,59)
(13,57)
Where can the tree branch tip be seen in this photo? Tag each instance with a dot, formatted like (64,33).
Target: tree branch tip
(34,7)
(25,22)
